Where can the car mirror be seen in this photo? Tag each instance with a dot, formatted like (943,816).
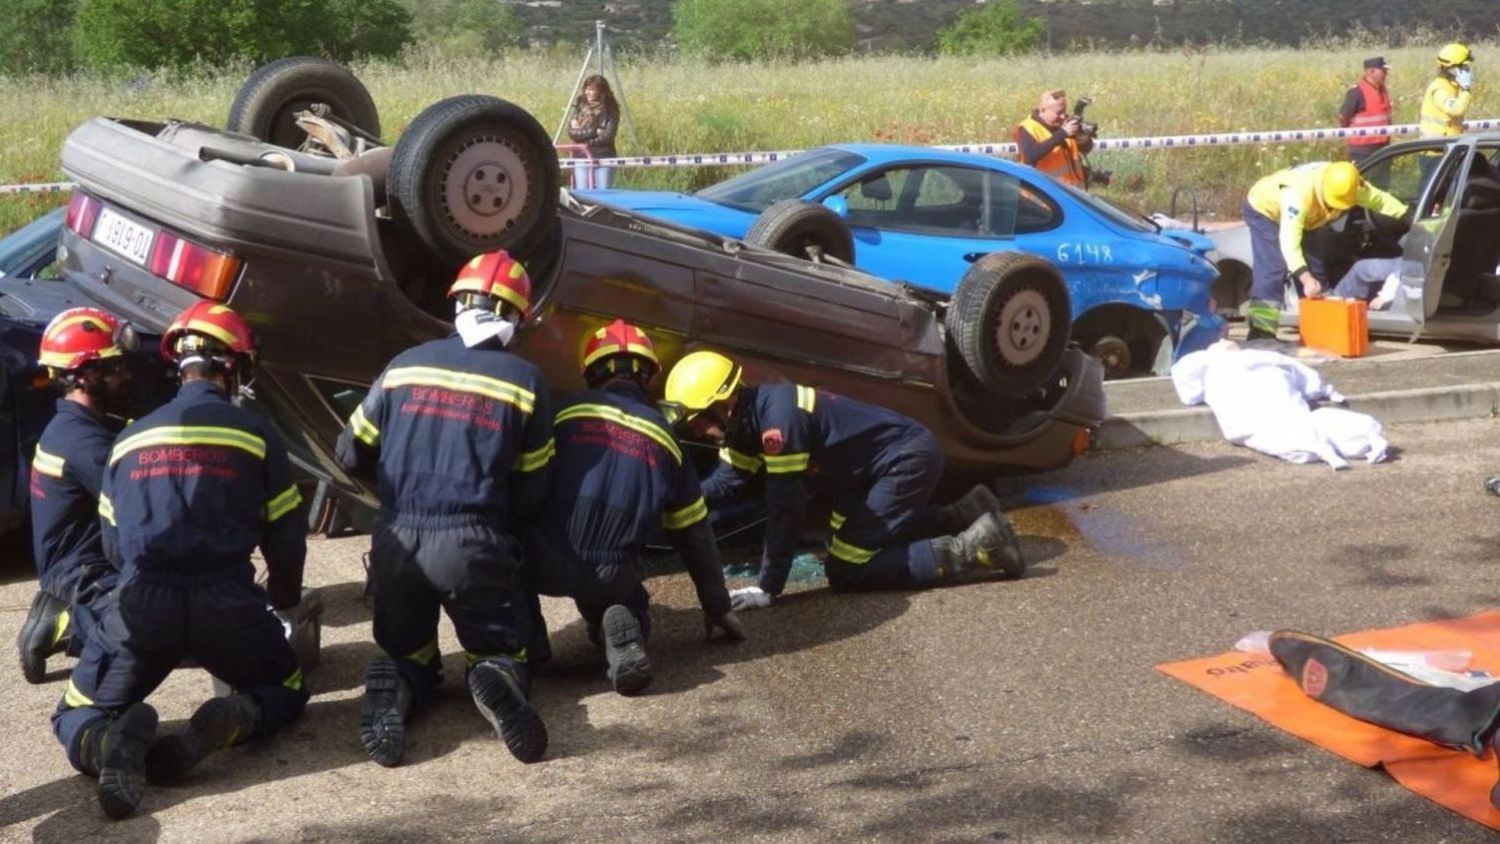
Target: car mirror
(838,205)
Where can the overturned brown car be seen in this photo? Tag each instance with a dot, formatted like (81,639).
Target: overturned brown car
(338,252)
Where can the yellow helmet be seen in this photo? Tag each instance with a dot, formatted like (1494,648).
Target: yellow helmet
(1454,54)
(1340,185)
(699,380)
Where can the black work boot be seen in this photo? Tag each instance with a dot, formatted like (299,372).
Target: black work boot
(219,723)
(382,720)
(122,760)
(966,510)
(629,667)
(1492,484)
(44,633)
(987,548)
(500,695)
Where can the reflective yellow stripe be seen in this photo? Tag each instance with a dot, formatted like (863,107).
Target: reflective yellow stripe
(60,626)
(783,464)
(464,382)
(620,417)
(190,435)
(282,504)
(739,460)
(530,461)
(106,509)
(74,698)
(293,682)
(689,515)
(47,464)
(807,397)
(364,430)
(849,553)
(836,520)
(471,658)
(424,654)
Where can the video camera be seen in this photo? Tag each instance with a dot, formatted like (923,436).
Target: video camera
(1087,128)
(1092,177)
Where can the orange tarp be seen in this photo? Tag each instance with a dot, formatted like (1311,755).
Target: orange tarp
(1257,684)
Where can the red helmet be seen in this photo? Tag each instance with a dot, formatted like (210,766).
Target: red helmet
(80,335)
(497,275)
(619,338)
(208,329)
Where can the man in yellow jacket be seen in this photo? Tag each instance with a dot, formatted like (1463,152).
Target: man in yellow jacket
(1447,100)
(1283,206)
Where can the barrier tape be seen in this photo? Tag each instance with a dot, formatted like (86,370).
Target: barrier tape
(707,159)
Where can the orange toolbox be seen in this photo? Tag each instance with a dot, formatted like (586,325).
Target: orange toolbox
(1336,326)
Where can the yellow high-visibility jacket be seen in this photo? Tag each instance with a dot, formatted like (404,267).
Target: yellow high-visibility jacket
(1443,109)
(1294,198)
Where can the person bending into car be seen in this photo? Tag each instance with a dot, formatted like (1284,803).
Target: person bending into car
(190,491)
(1053,141)
(885,467)
(83,350)
(458,435)
(1284,206)
(620,479)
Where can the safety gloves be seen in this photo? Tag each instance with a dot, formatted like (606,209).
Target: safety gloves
(1464,77)
(749,598)
(728,622)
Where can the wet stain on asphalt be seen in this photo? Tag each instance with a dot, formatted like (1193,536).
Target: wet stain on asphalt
(1058,513)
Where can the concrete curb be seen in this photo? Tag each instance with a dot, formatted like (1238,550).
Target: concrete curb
(1196,424)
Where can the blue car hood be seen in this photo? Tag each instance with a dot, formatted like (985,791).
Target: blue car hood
(677,207)
(1196,241)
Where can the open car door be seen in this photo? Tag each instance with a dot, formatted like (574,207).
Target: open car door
(1429,244)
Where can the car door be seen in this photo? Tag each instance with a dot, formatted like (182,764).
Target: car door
(925,223)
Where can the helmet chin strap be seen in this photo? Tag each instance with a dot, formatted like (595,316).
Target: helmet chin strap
(477,327)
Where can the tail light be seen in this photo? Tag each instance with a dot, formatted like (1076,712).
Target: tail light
(83,212)
(186,264)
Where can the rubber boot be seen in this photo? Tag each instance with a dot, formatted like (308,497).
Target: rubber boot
(118,753)
(986,548)
(1363,688)
(1264,318)
(500,694)
(382,719)
(625,652)
(221,722)
(44,633)
(966,510)
(1492,484)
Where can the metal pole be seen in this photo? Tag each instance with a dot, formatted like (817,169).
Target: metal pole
(568,106)
(607,56)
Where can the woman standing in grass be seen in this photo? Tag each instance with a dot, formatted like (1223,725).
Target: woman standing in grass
(594,120)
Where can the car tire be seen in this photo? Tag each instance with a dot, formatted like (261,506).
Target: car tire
(266,105)
(1008,321)
(803,229)
(474,174)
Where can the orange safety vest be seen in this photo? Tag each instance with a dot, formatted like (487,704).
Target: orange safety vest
(1377,112)
(1063,162)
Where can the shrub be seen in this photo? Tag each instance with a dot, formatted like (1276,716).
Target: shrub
(466,27)
(36,37)
(998,28)
(760,30)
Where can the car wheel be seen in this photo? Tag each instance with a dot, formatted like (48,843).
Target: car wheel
(803,229)
(1008,321)
(267,104)
(474,174)
(1114,353)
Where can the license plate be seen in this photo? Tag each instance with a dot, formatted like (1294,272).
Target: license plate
(126,237)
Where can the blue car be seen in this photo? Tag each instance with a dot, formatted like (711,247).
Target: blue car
(1138,295)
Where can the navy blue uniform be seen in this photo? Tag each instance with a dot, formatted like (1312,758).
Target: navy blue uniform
(618,481)
(190,491)
(66,474)
(882,466)
(459,440)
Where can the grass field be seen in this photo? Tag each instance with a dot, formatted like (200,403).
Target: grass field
(689,107)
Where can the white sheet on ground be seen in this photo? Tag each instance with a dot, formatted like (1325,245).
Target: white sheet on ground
(1261,400)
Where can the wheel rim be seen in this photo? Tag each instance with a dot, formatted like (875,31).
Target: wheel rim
(1114,353)
(484,187)
(1023,328)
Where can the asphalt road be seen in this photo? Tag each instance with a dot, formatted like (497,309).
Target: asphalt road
(1018,711)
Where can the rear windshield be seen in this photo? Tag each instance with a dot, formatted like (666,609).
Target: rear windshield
(790,177)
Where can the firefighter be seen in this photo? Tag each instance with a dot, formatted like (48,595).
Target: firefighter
(1279,210)
(618,480)
(883,467)
(458,433)
(83,350)
(190,491)
(1446,101)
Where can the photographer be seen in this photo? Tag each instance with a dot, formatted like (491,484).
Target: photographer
(1054,141)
